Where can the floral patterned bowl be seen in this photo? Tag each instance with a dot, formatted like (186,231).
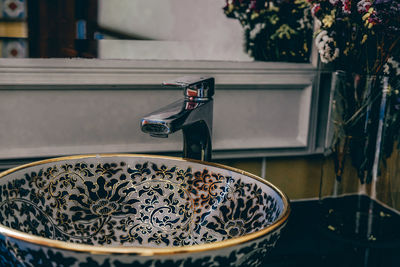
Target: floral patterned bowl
(136,210)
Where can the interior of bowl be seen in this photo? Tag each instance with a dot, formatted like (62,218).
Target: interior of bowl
(134,200)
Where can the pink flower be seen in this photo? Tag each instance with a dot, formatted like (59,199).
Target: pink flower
(253,5)
(346,6)
(363,6)
(374,20)
(315,9)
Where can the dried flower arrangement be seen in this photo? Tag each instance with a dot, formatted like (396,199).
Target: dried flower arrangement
(274,30)
(362,38)
(364,32)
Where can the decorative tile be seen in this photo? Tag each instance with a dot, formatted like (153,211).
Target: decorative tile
(13,9)
(14,48)
(13,29)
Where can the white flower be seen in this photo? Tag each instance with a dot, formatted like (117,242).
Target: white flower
(257,29)
(386,69)
(317,23)
(302,24)
(318,38)
(326,47)
(394,64)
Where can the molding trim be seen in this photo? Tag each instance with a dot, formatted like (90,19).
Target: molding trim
(120,74)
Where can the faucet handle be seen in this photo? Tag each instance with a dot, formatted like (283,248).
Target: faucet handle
(195,87)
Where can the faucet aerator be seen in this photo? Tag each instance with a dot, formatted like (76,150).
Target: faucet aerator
(156,129)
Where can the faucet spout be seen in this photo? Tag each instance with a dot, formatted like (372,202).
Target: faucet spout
(193,115)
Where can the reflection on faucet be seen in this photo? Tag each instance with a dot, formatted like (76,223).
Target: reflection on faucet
(193,115)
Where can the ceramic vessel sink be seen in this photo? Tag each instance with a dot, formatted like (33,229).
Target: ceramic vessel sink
(136,210)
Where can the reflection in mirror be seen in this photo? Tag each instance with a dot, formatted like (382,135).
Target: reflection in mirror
(274,30)
(13,30)
(171,29)
(120,29)
(155,30)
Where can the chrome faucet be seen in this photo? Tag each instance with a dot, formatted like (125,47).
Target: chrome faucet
(193,115)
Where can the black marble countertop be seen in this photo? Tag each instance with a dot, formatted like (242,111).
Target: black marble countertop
(305,243)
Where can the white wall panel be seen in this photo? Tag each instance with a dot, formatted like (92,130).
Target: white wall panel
(62,107)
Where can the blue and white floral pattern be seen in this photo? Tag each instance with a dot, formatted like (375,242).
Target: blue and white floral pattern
(151,203)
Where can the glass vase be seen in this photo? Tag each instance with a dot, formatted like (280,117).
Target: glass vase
(360,177)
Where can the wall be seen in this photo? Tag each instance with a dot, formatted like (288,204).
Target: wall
(298,177)
(171,29)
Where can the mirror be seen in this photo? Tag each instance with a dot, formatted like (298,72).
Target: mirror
(222,30)
(120,29)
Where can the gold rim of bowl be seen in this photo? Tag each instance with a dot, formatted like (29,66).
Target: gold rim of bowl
(139,250)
